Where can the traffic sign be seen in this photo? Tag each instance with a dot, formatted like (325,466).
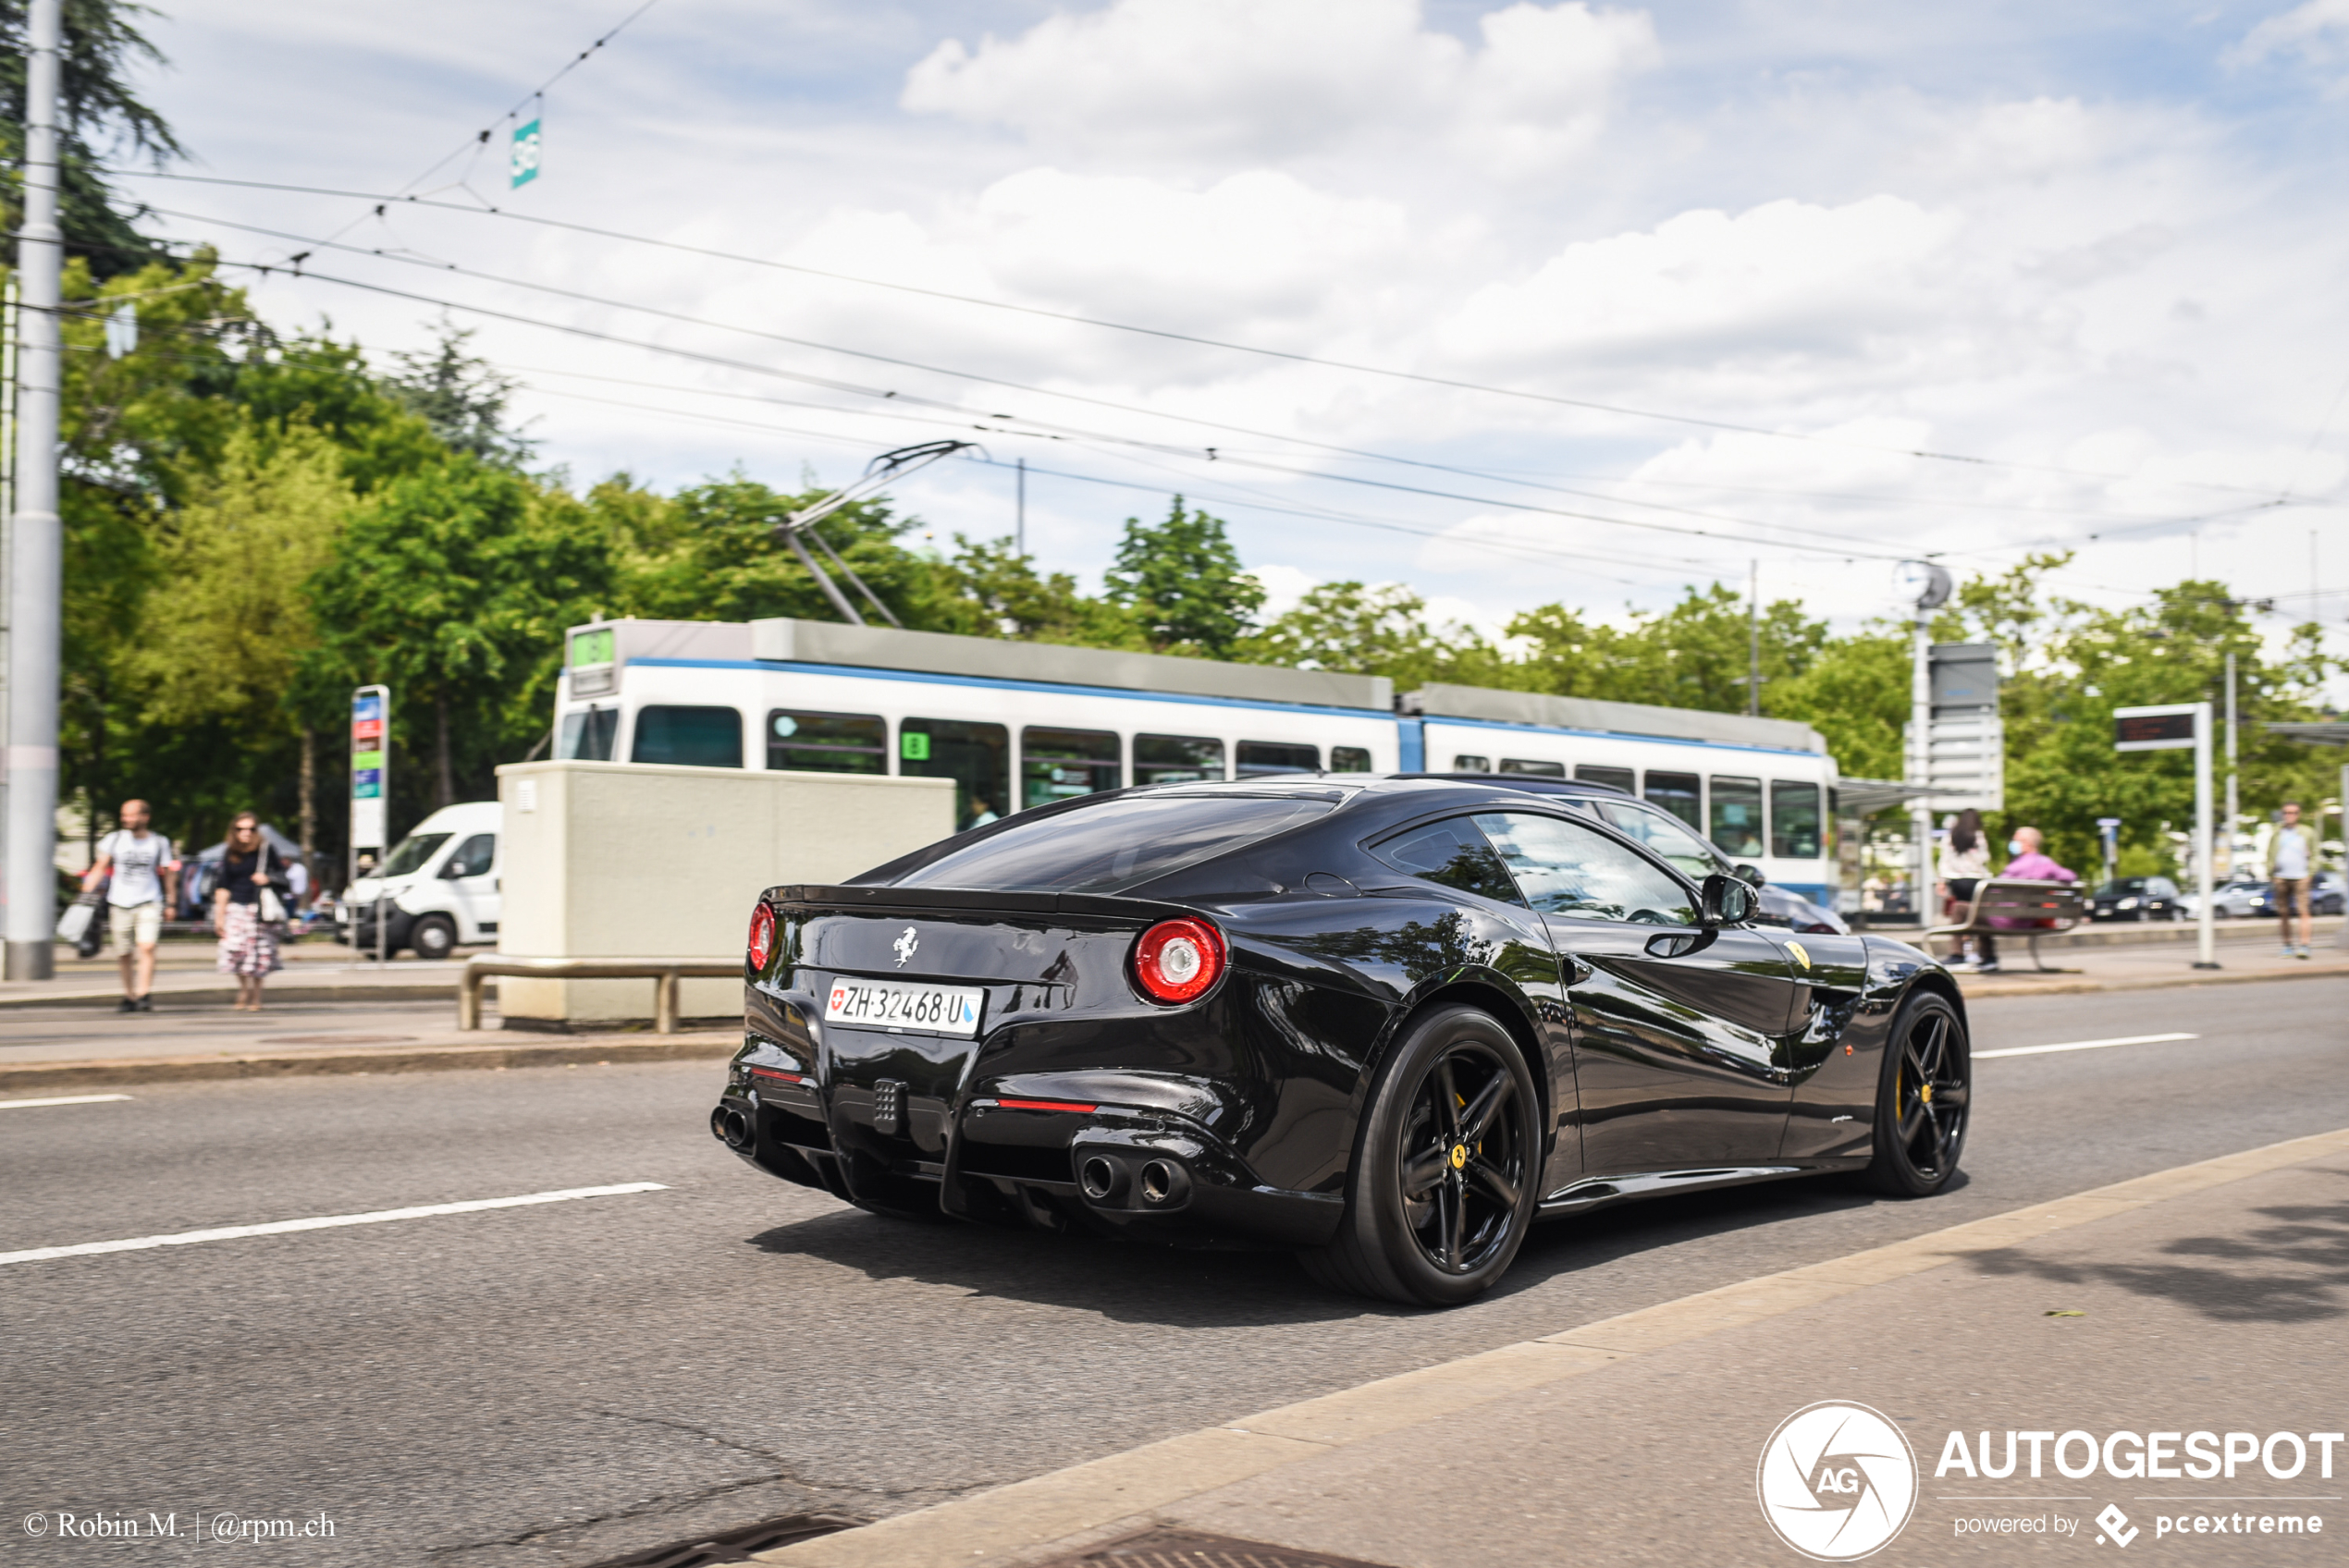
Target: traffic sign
(370,766)
(524,167)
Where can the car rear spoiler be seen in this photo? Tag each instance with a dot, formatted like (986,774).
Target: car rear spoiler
(973,901)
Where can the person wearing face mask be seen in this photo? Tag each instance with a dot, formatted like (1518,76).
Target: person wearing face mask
(2030,864)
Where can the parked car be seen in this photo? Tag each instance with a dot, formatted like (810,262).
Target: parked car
(2137,897)
(2241,898)
(2327,897)
(438,887)
(1345,1015)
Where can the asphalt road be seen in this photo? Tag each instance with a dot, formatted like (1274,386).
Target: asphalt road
(560,1383)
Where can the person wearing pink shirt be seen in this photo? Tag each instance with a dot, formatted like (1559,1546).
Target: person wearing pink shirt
(2030,864)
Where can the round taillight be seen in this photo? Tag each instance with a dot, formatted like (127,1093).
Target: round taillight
(762,936)
(1178,960)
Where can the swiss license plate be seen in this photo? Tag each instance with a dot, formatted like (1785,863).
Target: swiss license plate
(895,1004)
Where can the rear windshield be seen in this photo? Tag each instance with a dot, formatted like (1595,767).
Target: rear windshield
(1116,845)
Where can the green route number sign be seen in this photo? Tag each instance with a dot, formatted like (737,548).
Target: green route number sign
(913,745)
(525,156)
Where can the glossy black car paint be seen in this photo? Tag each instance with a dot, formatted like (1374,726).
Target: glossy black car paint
(1667,1058)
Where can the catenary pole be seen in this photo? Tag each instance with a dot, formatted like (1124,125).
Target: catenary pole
(2233,803)
(36,565)
(2206,930)
(1921,765)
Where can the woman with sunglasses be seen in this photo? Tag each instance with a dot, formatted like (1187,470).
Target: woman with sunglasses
(247,940)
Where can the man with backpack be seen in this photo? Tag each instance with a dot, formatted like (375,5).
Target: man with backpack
(146,880)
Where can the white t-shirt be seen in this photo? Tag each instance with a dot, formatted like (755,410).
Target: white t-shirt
(2292,855)
(139,861)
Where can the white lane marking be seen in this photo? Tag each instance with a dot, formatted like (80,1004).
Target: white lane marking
(2087,1045)
(325,1223)
(60,1100)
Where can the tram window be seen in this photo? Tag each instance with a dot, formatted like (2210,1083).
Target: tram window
(587,736)
(1534,769)
(685,737)
(1737,816)
(1176,759)
(1620,778)
(1677,793)
(1056,765)
(978,757)
(1277,756)
(1794,820)
(827,742)
(1466,764)
(1349,759)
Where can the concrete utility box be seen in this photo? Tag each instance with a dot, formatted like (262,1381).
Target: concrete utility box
(630,859)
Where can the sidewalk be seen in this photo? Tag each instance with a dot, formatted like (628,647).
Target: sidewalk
(2242,955)
(2206,1298)
(184,970)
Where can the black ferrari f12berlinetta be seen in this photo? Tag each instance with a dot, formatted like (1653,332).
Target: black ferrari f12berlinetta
(1387,1022)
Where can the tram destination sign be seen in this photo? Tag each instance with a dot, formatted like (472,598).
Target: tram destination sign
(2169,728)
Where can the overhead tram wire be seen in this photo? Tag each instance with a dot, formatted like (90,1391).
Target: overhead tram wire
(1840,544)
(1589,405)
(1522,551)
(480,138)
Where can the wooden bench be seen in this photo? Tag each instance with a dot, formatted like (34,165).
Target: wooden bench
(2034,908)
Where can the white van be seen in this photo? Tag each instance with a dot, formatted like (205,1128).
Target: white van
(439,887)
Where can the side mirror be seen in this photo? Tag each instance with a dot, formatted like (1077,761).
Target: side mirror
(1725,900)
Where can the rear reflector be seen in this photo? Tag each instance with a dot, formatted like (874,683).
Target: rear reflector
(1048,1105)
(783,1077)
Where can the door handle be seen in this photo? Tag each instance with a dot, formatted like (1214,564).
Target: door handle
(1671,943)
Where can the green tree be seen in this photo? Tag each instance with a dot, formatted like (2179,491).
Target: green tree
(1694,655)
(460,398)
(101,118)
(453,586)
(1855,694)
(989,590)
(1182,580)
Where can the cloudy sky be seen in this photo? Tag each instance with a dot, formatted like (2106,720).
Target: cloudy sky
(1622,298)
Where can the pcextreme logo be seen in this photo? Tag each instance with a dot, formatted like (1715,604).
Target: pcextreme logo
(1837,1481)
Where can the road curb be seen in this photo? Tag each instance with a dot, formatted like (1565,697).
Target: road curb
(373,991)
(2153,982)
(1085,1504)
(32,1076)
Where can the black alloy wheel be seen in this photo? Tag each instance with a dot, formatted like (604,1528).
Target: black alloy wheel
(1923,1100)
(1446,1170)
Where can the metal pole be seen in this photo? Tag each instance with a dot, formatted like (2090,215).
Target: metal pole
(1021,537)
(36,581)
(2232,803)
(2340,938)
(9,317)
(1921,763)
(1753,638)
(2205,926)
(823,578)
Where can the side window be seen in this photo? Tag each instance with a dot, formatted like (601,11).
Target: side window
(1272,757)
(1349,759)
(978,757)
(1176,759)
(1466,764)
(1058,765)
(1677,792)
(1534,769)
(1794,820)
(587,736)
(473,857)
(1672,843)
(685,737)
(2161,887)
(1453,854)
(1581,874)
(827,742)
(1737,816)
(1619,777)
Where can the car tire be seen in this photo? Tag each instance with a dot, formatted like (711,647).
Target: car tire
(1450,1239)
(433,937)
(1921,1137)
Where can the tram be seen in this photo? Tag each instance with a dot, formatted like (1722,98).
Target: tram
(1016,725)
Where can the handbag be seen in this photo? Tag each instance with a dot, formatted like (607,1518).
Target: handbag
(273,907)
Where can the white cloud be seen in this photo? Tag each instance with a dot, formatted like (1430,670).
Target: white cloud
(2308,31)
(1264,81)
